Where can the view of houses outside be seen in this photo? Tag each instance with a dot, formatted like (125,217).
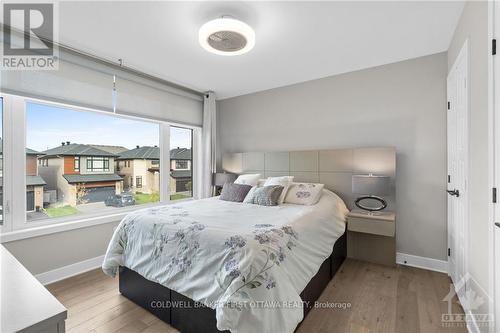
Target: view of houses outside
(87,162)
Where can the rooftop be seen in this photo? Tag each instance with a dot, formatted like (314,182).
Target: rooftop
(110,149)
(76,149)
(72,179)
(153,153)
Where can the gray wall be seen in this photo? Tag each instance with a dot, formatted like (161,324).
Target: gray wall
(401,105)
(45,253)
(473,24)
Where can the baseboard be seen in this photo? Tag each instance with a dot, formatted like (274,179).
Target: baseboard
(422,262)
(70,270)
(476,322)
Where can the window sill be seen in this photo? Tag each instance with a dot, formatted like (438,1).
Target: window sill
(66,225)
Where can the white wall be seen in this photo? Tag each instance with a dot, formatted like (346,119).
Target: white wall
(473,25)
(44,253)
(401,104)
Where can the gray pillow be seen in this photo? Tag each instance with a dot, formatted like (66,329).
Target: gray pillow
(264,196)
(234,192)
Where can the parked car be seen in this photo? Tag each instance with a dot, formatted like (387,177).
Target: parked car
(120,200)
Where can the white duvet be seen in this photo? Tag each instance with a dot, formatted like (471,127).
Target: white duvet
(248,262)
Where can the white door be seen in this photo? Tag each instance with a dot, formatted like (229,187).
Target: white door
(457,123)
(496,142)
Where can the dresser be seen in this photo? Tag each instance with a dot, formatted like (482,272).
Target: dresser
(26,305)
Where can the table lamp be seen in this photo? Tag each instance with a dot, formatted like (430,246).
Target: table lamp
(371,187)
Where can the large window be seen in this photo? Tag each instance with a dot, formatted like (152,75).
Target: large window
(80,151)
(181,158)
(85,166)
(97,163)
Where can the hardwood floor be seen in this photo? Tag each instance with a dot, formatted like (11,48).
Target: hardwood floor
(382,299)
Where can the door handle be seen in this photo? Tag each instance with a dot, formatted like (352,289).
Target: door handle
(454,192)
(497,224)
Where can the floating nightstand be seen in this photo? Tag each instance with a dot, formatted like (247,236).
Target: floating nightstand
(372,237)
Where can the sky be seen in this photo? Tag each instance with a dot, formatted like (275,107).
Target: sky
(48,126)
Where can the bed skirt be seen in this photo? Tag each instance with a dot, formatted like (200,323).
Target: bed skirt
(192,317)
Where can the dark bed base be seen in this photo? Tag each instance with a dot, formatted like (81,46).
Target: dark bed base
(187,318)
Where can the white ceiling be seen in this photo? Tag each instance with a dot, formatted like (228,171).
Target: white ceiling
(295,41)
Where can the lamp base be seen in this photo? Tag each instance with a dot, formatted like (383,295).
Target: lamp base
(359,204)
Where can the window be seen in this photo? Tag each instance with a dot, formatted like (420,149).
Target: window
(97,163)
(72,156)
(181,164)
(82,147)
(181,157)
(77,163)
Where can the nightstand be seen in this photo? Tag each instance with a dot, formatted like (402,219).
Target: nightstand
(372,237)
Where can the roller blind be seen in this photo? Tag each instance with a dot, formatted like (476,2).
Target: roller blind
(84,81)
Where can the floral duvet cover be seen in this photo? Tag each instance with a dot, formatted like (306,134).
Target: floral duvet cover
(248,262)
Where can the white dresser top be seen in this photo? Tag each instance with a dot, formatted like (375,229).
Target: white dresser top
(24,301)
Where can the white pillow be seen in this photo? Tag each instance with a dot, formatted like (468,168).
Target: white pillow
(284,181)
(304,193)
(250,179)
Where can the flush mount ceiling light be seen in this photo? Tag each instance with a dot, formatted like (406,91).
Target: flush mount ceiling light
(227,36)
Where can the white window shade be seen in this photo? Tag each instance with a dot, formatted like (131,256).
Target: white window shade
(83,81)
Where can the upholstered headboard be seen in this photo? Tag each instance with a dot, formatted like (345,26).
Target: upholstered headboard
(334,167)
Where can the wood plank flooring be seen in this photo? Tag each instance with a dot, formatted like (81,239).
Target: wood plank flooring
(381,299)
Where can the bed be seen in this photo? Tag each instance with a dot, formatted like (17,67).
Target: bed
(211,265)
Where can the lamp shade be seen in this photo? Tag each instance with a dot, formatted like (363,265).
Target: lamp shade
(370,184)
(221,178)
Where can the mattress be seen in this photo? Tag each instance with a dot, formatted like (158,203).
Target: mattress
(248,262)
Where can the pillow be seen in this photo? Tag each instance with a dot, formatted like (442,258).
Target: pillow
(264,196)
(251,179)
(304,193)
(234,192)
(284,181)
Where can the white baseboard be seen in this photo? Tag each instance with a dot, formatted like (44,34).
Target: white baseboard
(476,315)
(70,270)
(422,262)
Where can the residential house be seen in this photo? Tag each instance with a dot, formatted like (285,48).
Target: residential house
(140,169)
(80,173)
(181,174)
(34,183)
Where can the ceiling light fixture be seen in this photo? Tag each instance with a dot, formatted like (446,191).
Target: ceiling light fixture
(226,36)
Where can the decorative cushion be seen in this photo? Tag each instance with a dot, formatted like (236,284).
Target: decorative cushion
(234,192)
(264,196)
(250,179)
(304,193)
(284,181)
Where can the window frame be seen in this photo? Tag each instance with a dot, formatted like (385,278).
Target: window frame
(138,181)
(15,224)
(92,159)
(76,164)
(177,162)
